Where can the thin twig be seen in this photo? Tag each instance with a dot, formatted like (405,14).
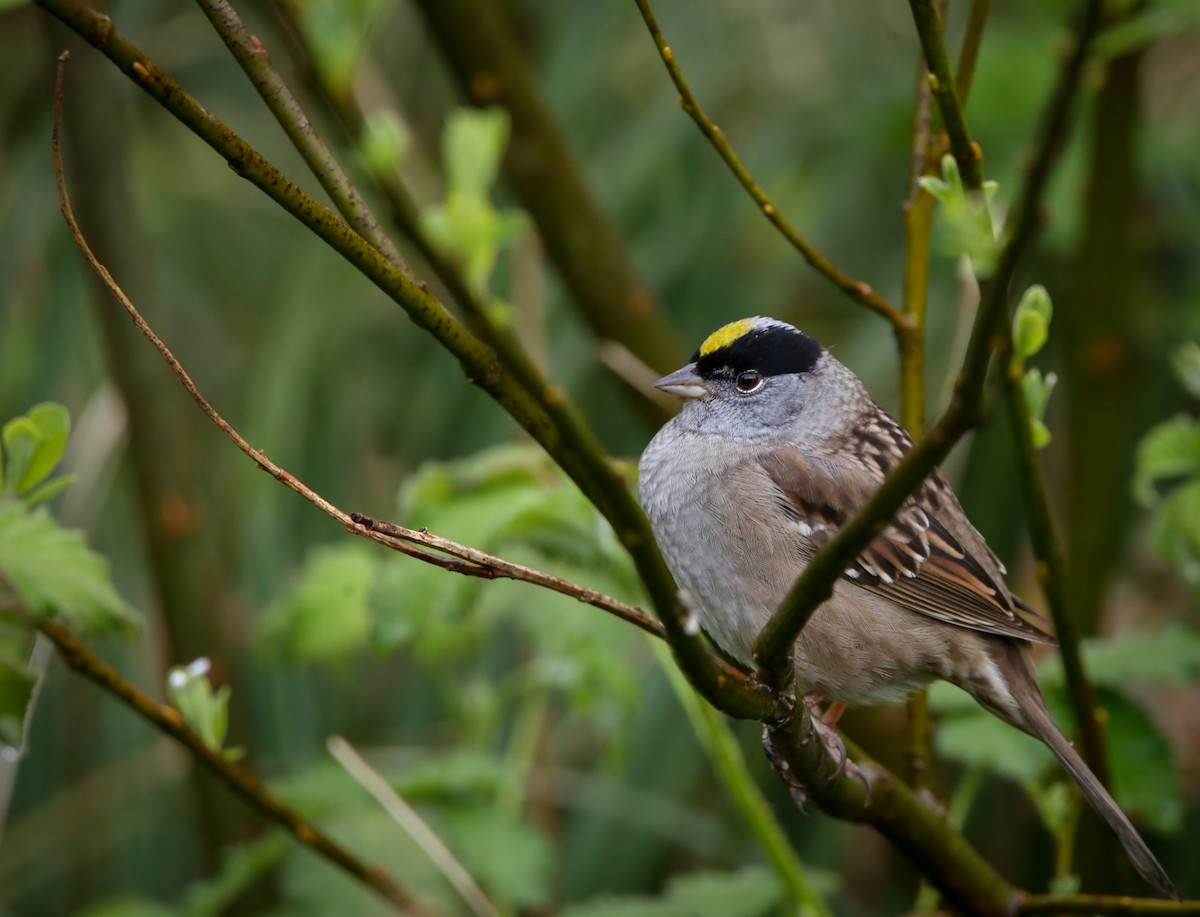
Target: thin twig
(968,54)
(917,213)
(1103,904)
(414,826)
(857,290)
(547,415)
(1047,546)
(167,719)
(942,82)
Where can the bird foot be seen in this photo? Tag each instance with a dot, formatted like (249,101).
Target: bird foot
(823,729)
(783,770)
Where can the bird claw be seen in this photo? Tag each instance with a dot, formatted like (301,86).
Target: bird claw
(823,730)
(783,770)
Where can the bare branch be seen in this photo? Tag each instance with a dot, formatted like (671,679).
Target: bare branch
(858,290)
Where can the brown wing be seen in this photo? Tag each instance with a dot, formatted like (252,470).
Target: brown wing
(929,559)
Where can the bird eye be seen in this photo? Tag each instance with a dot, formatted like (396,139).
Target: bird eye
(748,381)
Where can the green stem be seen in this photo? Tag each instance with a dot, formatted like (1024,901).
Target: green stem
(943,85)
(726,756)
(968,54)
(1052,571)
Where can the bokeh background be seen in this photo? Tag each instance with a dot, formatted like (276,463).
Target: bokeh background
(542,740)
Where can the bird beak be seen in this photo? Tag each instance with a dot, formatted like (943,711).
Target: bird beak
(684,383)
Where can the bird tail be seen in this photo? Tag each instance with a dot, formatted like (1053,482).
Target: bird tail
(1037,721)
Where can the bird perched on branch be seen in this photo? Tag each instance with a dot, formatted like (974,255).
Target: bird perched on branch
(777,445)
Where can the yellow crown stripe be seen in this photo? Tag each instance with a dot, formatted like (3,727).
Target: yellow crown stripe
(725,335)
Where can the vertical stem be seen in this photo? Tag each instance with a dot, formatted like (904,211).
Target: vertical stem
(910,339)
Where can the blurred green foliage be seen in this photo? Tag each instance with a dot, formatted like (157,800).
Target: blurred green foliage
(537,737)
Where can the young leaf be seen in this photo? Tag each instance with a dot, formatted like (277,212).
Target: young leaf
(385,142)
(55,574)
(53,424)
(19,438)
(1031,321)
(1170,450)
(1185,362)
(204,710)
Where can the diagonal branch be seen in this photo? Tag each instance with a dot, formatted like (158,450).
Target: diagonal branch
(546,415)
(858,290)
(166,719)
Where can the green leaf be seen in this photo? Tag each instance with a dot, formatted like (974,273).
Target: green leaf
(129,906)
(20,438)
(1168,655)
(385,142)
(749,892)
(1176,531)
(509,858)
(1031,321)
(204,710)
(55,574)
(1169,450)
(54,423)
(978,738)
(326,617)
(1143,770)
(48,490)
(472,146)
(1185,363)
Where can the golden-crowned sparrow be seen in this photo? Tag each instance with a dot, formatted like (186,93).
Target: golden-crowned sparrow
(776,446)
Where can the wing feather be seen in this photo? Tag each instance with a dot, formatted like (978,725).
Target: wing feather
(928,559)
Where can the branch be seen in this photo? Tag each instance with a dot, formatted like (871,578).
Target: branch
(916,828)
(968,54)
(857,290)
(1046,545)
(166,719)
(1103,904)
(917,212)
(546,415)
(943,83)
